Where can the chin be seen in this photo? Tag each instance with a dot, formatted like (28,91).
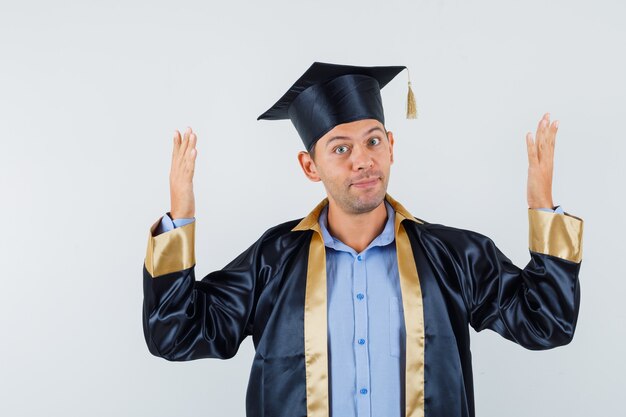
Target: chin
(367,201)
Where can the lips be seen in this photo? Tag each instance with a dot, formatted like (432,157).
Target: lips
(365,183)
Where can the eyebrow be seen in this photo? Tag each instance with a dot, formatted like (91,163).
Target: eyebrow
(346,137)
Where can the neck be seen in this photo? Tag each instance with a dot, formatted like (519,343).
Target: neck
(356,230)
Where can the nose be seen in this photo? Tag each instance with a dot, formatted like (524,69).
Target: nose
(361,158)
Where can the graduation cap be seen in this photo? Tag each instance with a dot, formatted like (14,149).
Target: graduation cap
(327,95)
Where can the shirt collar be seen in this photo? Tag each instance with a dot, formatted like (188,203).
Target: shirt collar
(384,238)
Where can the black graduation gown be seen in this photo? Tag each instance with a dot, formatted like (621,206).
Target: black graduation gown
(275,291)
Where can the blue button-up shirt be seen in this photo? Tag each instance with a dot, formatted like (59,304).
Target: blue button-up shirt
(365,322)
(365,325)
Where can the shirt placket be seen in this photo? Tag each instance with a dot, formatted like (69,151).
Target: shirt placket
(361,337)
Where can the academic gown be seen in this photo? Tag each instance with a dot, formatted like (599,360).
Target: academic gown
(275,291)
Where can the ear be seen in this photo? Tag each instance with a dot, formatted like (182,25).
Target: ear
(390,137)
(308,166)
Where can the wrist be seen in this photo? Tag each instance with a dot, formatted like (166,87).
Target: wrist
(174,214)
(541,204)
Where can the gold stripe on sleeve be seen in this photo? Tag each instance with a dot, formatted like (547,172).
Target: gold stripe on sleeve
(170,251)
(555,234)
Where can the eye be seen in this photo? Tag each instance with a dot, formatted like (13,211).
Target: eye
(341,149)
(374,141)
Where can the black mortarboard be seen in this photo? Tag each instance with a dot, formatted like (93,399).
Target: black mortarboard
(327,95)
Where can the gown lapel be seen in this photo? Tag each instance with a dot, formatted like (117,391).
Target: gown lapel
(316,324)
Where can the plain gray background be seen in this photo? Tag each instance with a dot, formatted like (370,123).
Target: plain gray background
(90,94)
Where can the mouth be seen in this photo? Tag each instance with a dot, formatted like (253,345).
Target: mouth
(365,183)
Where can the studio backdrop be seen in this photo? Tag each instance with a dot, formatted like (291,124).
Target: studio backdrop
(91,93)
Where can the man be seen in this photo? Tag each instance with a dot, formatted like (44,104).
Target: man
(359,308)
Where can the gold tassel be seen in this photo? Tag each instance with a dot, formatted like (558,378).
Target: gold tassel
(411,108)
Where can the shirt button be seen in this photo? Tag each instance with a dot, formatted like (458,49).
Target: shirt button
(361,341)
(359,258)
(360,296)
(363,391)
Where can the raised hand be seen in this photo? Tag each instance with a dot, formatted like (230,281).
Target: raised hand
(541,163)
(181,175)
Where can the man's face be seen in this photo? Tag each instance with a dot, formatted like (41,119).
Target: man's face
(353,162)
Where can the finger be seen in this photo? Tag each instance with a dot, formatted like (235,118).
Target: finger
(540,137)
(552,131)
(185,142)
(531,149)
(547,150)
(541,126)
(191,151)
(191,146)
(549,132)
(538,131)
(190,162)
(551,140)
(546,131)
(176,145)
(542,122)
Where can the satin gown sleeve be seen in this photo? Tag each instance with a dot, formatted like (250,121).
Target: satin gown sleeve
(537,306)
(186,319)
